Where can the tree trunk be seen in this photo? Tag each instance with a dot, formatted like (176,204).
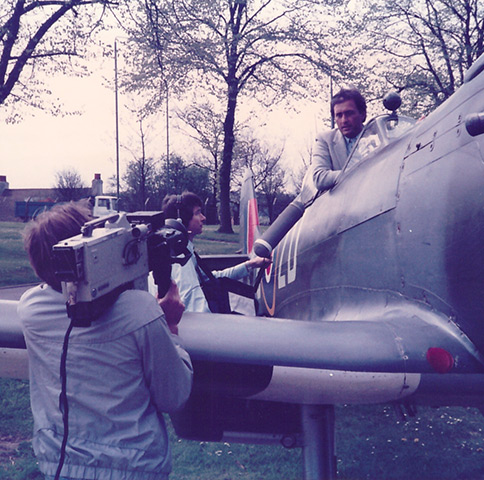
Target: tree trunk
(237,10)
(225,168)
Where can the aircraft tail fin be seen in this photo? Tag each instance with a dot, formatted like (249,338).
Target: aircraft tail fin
(249,214)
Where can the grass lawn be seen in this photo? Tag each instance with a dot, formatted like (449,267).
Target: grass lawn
(14,263)
(371,441)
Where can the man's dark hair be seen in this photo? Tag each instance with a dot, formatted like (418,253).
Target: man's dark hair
(349,94)
(181,206)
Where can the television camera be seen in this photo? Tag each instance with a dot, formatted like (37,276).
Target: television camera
(114,253)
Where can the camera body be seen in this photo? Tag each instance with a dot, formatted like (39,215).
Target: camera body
(117,252)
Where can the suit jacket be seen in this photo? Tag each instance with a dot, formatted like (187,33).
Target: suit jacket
(329,158)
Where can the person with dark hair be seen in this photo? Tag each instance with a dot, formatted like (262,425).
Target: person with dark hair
(348,108)
(190,278)
(182,207)
(122,372)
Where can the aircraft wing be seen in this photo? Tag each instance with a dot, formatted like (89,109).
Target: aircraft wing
(400,344)
(11,335)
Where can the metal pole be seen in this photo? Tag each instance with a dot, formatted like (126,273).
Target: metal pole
(117,116)
(167,138)
(331,95)
(319,448)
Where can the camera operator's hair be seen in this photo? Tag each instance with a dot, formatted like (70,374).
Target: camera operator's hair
(50,227)
(349,94)
(181,206)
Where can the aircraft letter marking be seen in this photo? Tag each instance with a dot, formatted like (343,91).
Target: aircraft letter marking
(292,254)
(292,239)
(281,279)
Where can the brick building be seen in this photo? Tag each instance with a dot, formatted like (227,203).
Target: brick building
(14,201)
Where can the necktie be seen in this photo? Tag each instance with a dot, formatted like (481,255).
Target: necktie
(349,144)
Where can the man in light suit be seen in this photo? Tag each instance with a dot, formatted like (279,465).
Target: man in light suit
(348,108)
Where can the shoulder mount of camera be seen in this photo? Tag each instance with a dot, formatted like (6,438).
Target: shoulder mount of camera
(83,314)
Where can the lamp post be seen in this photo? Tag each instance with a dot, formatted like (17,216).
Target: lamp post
(331,95)
(167,137)
(116,113)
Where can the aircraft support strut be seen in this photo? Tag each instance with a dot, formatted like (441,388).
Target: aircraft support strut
(318,450)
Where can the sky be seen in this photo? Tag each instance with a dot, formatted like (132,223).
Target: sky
(34,150)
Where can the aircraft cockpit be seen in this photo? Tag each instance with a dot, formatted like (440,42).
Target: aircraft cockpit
(380,131)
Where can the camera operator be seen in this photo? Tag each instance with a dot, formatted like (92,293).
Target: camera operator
(122,372)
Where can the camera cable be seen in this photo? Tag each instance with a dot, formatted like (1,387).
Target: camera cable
(63,404)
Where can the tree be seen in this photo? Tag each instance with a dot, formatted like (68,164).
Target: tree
(260,48)
(140,177)
(146,182)
(141,184)
(268,175)
(299,173)
(272,184)
(69,185)
(190,178)
(205,124)
(140,181)
(206,129)
(34,36)
(424,46)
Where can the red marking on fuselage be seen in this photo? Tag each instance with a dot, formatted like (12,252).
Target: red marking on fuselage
(252,223)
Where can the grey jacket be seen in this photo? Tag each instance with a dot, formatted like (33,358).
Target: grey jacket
(122,373)
(329,158)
